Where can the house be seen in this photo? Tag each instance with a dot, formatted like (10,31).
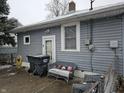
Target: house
(92,39)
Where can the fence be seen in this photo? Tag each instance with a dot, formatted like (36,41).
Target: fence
(106,85)
(7,55)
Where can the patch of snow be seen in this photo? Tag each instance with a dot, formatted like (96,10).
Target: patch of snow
(90,73)
(3,90)
(26,64)
(5,66)
(80,74)
(84,83)
(11,74)
(8,70)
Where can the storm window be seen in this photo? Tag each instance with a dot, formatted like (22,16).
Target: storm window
(26,40)
(70,37)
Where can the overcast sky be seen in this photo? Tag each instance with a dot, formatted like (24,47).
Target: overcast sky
(32,11)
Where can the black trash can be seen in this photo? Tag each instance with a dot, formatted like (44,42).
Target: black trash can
(38,64)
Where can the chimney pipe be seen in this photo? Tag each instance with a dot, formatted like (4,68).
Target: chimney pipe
(72,6)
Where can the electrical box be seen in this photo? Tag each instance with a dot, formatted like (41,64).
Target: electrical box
(87,42)
(113,44)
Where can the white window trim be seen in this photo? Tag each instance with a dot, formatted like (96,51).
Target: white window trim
(25,41)
(77,36)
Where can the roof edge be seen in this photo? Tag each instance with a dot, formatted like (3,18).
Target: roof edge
(86,14)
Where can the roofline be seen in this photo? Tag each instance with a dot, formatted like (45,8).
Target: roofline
(106,11)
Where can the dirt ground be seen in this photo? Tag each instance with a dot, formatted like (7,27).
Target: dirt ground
(12,81)
(121,90)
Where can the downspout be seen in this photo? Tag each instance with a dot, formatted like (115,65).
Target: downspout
(91,31)
(91,44)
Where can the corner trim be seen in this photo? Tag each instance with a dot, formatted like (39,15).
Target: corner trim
(123,41)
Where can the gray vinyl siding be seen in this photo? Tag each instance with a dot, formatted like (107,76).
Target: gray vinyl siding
(35,46)
(123,41)
(80,58)
(104,30)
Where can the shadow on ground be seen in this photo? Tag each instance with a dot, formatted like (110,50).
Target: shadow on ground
(12,81)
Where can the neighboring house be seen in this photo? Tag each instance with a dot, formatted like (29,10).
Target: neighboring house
(70,37)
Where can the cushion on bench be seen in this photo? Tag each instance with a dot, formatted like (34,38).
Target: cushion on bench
(57,71)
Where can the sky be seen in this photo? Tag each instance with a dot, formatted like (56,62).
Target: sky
(33,11)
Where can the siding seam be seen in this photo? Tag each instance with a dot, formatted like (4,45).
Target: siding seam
(122,30)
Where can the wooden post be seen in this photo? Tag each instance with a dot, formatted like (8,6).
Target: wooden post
(11,58)
(102,84)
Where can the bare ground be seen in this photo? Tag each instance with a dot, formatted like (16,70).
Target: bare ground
(23,82)
(121,89)
(13,81)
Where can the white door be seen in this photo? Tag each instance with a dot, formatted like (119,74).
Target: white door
(49,47)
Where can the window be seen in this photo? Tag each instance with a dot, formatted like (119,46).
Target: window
(27,40)
(70,37)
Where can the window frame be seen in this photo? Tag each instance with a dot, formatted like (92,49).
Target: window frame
(77,36)
(24,39)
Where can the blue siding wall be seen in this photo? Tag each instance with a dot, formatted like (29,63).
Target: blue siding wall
(35,46)
(123,41)
(104,30)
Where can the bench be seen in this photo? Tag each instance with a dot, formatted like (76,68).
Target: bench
(61,70)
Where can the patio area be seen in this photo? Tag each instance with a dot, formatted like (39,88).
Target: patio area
(13,81)
(20,81)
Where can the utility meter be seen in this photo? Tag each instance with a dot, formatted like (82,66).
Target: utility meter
(113,44)
(87,42)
